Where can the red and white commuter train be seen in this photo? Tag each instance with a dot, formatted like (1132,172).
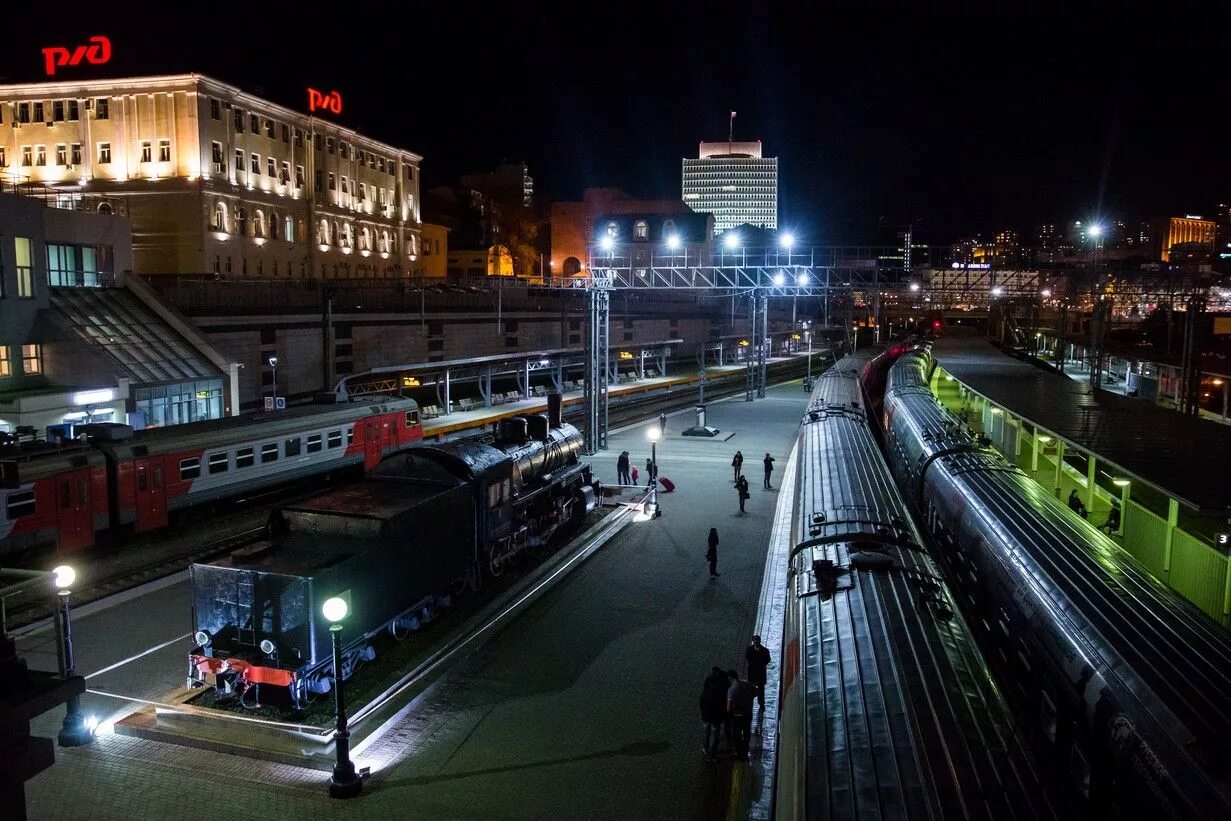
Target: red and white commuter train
(130,481)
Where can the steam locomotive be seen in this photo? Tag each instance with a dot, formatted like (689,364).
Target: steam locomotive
(419,527)
(120,481)
(886,705)
(1122,685)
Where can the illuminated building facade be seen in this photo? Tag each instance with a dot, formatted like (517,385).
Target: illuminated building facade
(215,179)
(1194,233)
(735,183)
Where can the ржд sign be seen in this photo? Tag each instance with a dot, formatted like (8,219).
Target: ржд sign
(96,52)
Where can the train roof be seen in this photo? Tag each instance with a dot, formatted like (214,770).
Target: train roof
(376,499)
(26,465)
(462,460)
(236,429)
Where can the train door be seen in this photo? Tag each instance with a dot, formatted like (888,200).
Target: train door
(372,442)
(73,517)
(151,495)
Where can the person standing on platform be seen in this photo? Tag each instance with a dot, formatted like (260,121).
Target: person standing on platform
(737,464)
(622,477)
(711,552)
(662,423)
(739,714)
(1113,519)
(769,469)
(713,710)
(757,656)
(635,479)
(651,472)
(741,487)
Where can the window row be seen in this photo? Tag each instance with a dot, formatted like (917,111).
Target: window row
(342,234)
(246,457)
(273,227)
(31,360)
(57,111)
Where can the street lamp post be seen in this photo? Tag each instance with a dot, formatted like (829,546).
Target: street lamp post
(74,732)
(653,434)
(345,783)
(273,363)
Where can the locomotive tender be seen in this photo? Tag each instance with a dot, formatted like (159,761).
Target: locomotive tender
(122,481)
(887,709)
(1124,686)
(422,525)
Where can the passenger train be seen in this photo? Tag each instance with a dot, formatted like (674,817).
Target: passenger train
(887,709)
(119,481)
(1124,687)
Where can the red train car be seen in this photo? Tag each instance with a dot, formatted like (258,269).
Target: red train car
(134,481)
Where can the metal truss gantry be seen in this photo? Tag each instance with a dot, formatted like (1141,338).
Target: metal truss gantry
(598,303)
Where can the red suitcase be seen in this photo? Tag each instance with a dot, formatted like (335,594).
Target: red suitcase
(668,485)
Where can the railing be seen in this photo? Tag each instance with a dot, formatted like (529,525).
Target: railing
(65,199)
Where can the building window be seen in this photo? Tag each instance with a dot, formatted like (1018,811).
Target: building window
(613,228)
(61,154)
(254,124)
(38,112)
(329,145)
(322,233)
(365,239)
(104,153)
(668,228)
(27,155)
(258,223)
(102,108)
(40,155)
(346,235)
(317,181)
(285,179)
(288,229)
(269,129)
(57,111)
(75,155)
(333,183)
(239,121)
(25,267)
(6,367)
(74,110)
(286,133)
(31,359)
(4,160)
(23,112)
(239,162)
(641,230)
(147,151)
(215,109)
(345,187)
(241,221)
(77,266)
(298,138)
(271,166)
(164,151)
(299,176)
(255,166)
(216,156)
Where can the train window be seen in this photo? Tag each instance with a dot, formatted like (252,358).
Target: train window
(218,463)
(143,481)
(1048,714)
(495,494)
(66,494)
(244,458)
(269,452)
(291,446)
(190,468)
(83,491)
(158,476)
(314,443)
(21,504)
(1079,770)
(412,418)
(335,438)
(350,434)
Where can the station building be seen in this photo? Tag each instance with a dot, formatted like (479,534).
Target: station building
(217,180)
(734,182)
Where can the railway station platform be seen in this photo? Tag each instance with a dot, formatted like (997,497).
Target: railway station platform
(1162,470)
(584,707)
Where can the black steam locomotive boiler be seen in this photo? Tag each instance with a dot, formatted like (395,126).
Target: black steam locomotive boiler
(421,526)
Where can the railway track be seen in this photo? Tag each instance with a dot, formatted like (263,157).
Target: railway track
(242,528)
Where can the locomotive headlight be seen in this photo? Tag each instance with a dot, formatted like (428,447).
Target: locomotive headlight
(267,647)
(334,609)
(64,577)
(201,638)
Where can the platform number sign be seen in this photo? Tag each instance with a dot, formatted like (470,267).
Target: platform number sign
(1223,540)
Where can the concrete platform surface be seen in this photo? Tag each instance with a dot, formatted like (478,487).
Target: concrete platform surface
(585,707)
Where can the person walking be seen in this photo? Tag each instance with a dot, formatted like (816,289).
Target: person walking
(739,714)
(758,659)
(737,463)
(651,471)
(713,710)
(711,552)
(662,423)
(769,469)
(741,487)
(622,469)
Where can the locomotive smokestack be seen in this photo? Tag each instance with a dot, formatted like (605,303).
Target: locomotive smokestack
(555,413)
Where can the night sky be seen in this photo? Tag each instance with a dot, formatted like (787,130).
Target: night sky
(959,123)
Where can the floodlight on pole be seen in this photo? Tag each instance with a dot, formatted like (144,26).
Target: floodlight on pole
(787,240)
(731,241)
(802,279)
(779,279)
(673,242)
(345,782)
(914,287)
(606,243)
(654,434)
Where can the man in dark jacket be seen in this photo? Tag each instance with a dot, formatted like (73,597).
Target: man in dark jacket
(741,487)
(769,469)
(740,696)
(757,656)
(622,477)
(713,710)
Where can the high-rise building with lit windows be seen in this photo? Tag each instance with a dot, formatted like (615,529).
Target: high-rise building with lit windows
(732,181)
(214,179)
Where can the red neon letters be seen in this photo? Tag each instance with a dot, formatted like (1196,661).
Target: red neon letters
(325,102)
(96,52)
